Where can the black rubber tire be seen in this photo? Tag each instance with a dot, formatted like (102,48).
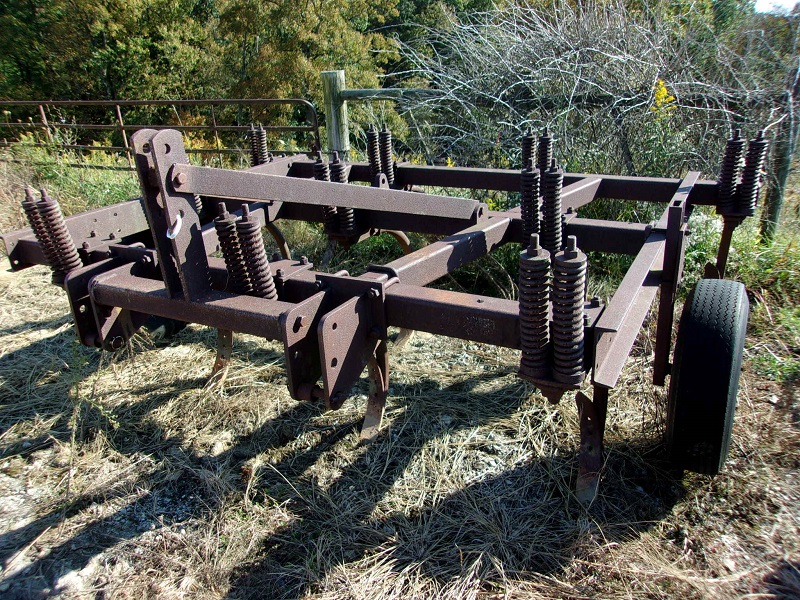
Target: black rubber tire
(705,375)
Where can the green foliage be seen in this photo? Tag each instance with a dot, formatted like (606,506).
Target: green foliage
(772,277)
(85,49)
(103,181)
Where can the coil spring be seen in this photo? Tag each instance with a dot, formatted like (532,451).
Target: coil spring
(731,170)
(338,169)
(747,194)
(529,202)
(263,152)
(534,293)
(259,154)
(387,154)
(346,216)
(225,224)
(198,204)
(568,293)
(544,155)
(254,153)
(65,254)
(255,257)
(527,150)
(322,172)
(39,230)
(374,152)
(550,226)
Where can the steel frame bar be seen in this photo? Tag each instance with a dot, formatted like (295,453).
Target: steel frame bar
(445,256)
(620,187)
(671,274)
(220,183)
(222,310)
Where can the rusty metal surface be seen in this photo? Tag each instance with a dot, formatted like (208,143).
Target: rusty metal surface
(378,391)
(222,183)
(152,257)
(608,236)
(445,256)
(94,228)
(185,247)
(671,274)
(347,340)
(454,314)
(80,304)
(645,189)
(256,316)
(592,416)
(621,322)
(224,352)
(298,327)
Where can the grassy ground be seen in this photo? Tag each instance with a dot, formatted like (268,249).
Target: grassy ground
(128,476)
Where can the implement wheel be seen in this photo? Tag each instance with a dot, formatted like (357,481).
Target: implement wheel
(705,375)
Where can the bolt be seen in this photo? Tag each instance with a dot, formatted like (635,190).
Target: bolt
(585,320)
(595,302)
(180,179)
(112,236)
(373,293)
(92,233)
(303,260)
(533,247)
(146,259)
(300,322)
(85,245)
(571,249)
(279,273)
(276,256)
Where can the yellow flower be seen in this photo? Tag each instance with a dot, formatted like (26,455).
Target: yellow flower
(663,101)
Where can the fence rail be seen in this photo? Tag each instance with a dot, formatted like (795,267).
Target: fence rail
(117,124)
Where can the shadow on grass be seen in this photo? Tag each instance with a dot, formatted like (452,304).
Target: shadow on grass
(520,519)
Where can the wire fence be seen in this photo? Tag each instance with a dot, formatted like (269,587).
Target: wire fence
(213,129)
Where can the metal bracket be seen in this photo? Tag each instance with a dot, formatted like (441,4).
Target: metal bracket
(300,345)
(113,325)
(77,286)
(347,340)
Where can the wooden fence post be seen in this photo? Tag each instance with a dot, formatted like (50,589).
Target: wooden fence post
(333,84)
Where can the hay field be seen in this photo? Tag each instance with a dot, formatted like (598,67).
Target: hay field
(129,476)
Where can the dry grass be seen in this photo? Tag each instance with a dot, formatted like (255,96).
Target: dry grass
(126,476)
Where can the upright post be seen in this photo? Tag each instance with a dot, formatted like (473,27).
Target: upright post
(335,111)
(45,124)
(782,154)
(124,136)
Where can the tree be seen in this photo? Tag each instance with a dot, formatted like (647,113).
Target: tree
(599,76)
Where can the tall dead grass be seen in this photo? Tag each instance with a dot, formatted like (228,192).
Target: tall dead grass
(127,476)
